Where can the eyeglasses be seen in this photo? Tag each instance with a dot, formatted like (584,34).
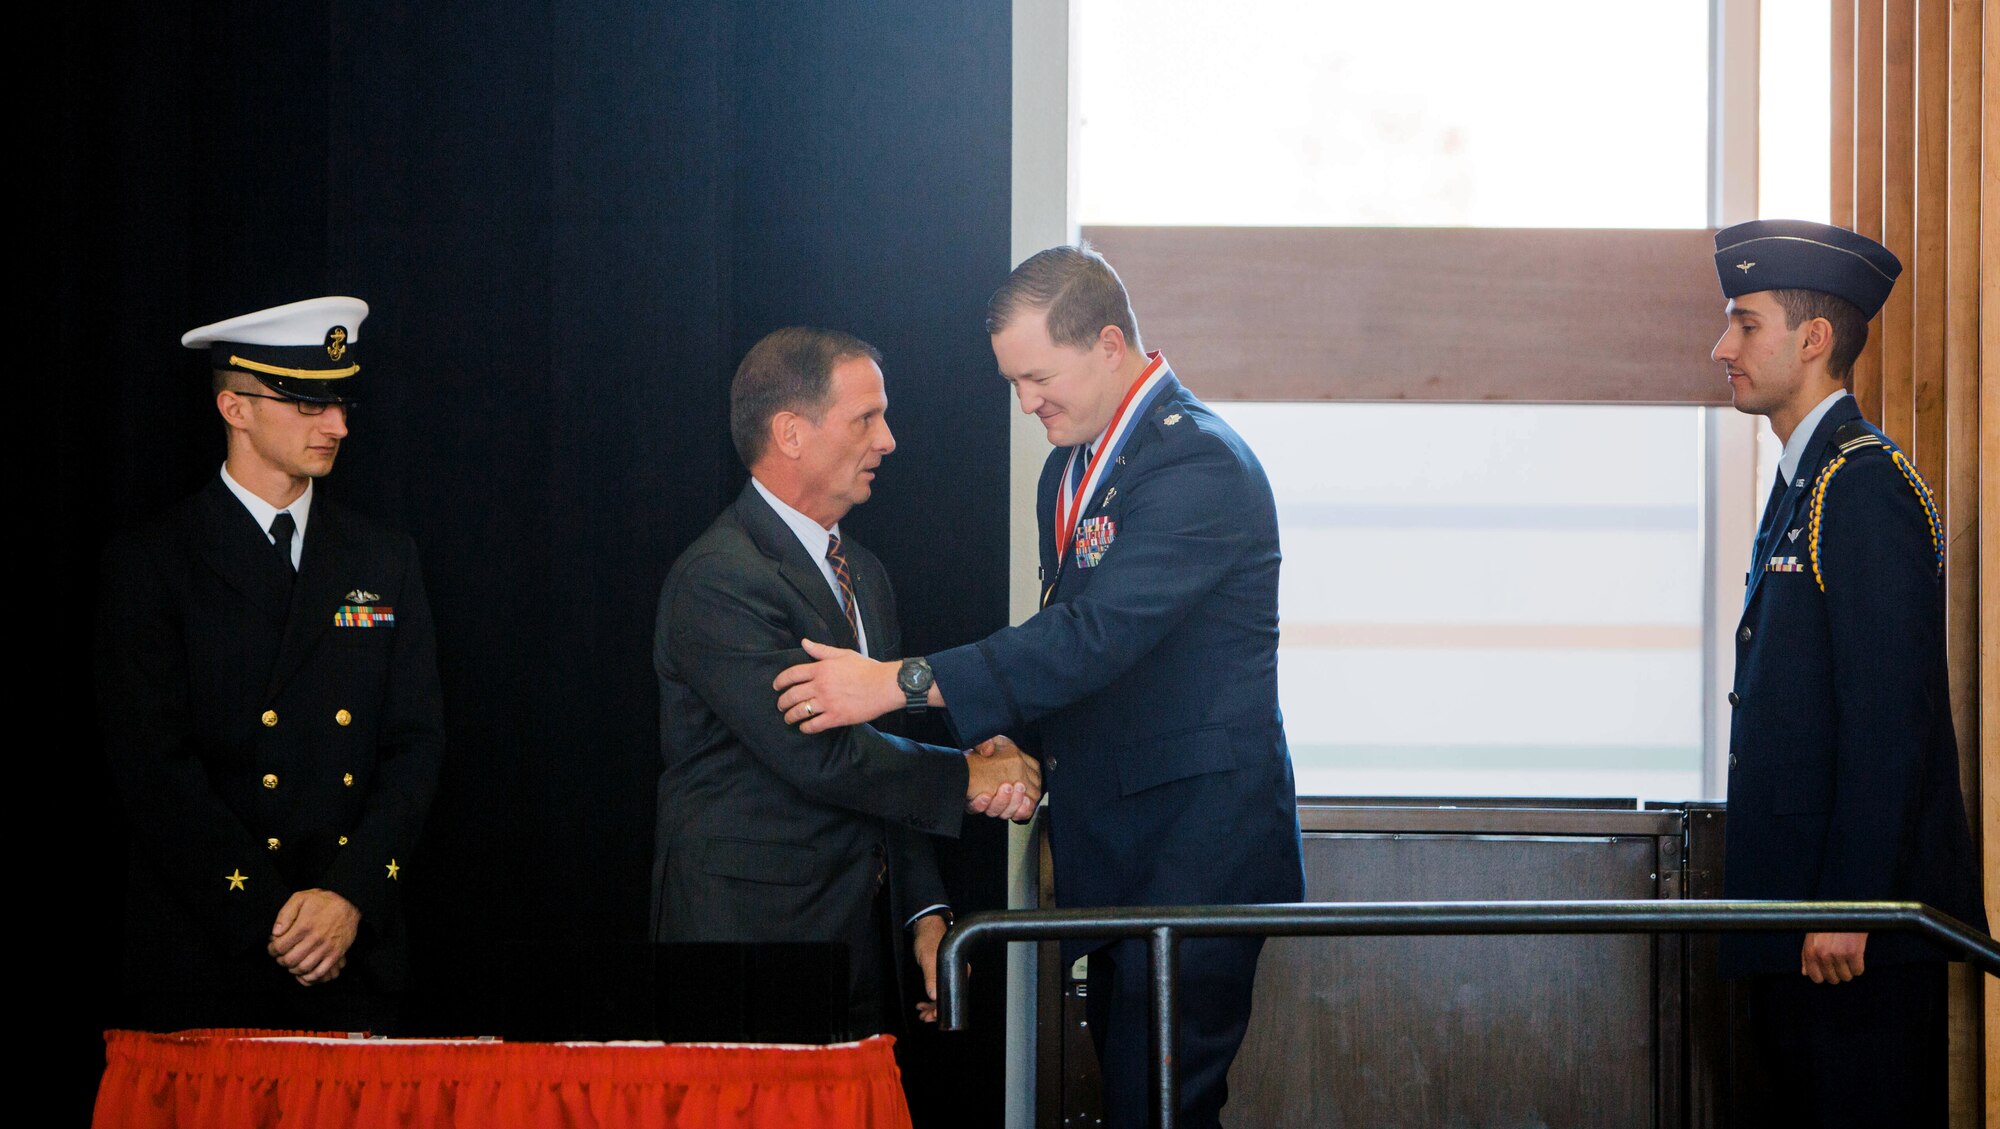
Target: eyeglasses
(305,407)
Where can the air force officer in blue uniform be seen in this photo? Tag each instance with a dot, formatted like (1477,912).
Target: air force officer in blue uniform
(1148,681)
(1843,770)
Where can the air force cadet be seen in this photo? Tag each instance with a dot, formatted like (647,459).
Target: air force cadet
(268,691)
(1843,770)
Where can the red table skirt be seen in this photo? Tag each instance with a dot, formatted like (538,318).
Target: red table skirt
(266,1078)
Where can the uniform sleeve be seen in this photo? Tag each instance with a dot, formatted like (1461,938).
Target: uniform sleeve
(214,865)
(409,753)
(1180,532)
(1877,561)
(728,641)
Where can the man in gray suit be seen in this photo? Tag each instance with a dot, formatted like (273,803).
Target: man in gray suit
(766,834)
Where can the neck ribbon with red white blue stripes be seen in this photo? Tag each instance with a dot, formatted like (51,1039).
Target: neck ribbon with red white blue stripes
(1070,496)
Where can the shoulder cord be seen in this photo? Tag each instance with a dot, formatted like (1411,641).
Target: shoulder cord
(1916,482)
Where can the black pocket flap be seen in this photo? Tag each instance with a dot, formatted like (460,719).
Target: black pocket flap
(780,864)
(1174,757)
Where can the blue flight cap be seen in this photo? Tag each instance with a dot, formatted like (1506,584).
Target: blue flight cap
(1802,255)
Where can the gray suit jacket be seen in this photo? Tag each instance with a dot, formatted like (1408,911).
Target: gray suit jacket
(766,834)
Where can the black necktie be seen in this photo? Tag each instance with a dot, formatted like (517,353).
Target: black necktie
(839,561)
(281,539)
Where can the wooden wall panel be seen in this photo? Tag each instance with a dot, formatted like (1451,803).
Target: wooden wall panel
(1927,324)
(1987,81)
(1868,23)
(1841,183)
(1899,210)
(1450,314)
(1960,495)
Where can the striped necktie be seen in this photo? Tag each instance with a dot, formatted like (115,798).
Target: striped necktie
(839,561)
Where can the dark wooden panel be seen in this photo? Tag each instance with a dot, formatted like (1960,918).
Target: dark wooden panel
(1457,1030)
(1449,314)
(1476,820)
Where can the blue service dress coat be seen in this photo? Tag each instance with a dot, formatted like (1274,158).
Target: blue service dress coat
(1843,767)
(268,732)
(766,834)
(1148,682)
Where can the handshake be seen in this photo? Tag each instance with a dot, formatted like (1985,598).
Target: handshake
(1003,781)
(842,687)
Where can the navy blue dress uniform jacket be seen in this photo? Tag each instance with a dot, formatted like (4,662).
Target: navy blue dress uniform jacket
(1148,683)
(1843,780)
(260,748)
(767,834)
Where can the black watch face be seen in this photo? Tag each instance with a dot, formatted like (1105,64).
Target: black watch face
(913,677)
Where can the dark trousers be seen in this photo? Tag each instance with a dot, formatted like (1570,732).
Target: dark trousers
(1216,974)
(1870,1052)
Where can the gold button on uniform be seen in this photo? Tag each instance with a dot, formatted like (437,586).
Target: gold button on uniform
(347,778)
(342,717)
(270,717)
(343,840)
(270,780)
(271,843)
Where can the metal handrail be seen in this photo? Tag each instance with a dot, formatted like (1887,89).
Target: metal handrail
(1164,926)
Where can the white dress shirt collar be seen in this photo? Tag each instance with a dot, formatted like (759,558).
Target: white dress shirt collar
(265,513)
(1795,447)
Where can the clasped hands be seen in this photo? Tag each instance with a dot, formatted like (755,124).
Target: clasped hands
(312,934)
(842,687)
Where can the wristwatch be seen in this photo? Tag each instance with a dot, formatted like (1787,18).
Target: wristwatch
(915,678)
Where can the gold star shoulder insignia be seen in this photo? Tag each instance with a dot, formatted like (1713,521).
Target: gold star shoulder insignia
(236,878)
(1172,419)
(393,869)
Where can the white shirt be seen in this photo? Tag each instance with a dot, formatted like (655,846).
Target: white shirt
(815,538)
(266,513)
(1795,447)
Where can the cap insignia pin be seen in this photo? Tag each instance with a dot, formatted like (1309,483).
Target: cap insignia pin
(1745,266)
(336,342)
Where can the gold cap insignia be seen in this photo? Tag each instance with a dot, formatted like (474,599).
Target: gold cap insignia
(336,342)
(1745,266)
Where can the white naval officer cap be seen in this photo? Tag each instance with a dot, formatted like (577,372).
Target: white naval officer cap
(301,350)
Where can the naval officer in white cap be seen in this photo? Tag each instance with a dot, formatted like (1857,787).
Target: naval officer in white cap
(268,693)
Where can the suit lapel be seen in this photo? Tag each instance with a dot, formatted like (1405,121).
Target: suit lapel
(1790,508)
(871,588)
(776,540)
(315,595)
(240,553)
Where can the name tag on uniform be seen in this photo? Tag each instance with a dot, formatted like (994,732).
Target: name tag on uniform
(1093,540)
(1784,564)
(361,615)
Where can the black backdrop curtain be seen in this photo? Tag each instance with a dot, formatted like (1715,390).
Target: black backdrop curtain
(570,220)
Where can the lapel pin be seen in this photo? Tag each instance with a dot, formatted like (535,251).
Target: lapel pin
(1794,534)
(1109,494)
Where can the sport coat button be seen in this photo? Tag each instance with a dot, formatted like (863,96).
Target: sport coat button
(1732,760)
(347,778)
(270,780)
(1734,700)
(342,717)
(1052,764)
(271,844)
(270,718)
(1743,636)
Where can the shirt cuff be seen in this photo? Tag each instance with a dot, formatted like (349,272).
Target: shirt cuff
(926,912)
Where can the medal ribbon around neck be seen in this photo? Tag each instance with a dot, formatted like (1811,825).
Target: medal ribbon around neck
(1070,499)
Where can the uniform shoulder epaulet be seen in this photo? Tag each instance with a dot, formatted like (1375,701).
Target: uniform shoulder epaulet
(1854,438)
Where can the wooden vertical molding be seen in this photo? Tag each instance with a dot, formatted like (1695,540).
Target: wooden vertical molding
(1841,183)
(1868,25)
(1899,213)
(1988,81)
(1927,321)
